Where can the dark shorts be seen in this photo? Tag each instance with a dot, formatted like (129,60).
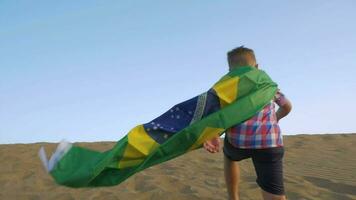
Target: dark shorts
(268,165)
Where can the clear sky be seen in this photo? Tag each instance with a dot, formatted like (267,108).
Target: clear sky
(91,70)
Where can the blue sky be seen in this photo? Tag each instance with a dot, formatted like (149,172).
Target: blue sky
(91,70)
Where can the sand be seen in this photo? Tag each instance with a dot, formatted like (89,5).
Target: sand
(316,167)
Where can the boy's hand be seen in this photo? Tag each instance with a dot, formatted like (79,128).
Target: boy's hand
(212,145)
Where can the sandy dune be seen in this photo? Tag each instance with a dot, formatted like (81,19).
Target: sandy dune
(316,167)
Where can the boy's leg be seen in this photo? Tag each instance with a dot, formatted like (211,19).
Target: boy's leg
(232,178)
(269,169)
(270,196)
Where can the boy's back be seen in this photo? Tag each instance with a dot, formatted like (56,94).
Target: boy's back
(261,131)
(258,138)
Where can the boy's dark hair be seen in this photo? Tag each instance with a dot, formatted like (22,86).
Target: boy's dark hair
(241,56)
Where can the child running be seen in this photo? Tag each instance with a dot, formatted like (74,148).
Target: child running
(258,138)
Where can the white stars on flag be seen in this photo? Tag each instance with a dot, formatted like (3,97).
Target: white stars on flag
(174,112)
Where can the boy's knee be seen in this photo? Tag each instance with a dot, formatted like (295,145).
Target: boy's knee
(280,198)
(276,197)
(270,196)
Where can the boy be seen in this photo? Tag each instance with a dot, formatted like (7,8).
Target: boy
(258,138)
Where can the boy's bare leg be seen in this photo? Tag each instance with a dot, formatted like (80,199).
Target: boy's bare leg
(270,196)
(232,178)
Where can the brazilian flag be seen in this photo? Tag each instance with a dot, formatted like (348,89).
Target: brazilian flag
(236,97)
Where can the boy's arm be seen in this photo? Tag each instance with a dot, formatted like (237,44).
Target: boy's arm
(285,106)
(283,110)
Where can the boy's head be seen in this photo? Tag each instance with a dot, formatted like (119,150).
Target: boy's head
(241,56)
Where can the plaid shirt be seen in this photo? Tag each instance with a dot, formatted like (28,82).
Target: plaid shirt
(261,131)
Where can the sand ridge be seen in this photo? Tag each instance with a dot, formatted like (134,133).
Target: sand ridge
(316,167)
